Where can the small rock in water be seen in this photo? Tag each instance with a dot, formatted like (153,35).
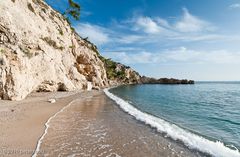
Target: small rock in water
(52,101)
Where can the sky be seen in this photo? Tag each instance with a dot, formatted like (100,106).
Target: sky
(192,39)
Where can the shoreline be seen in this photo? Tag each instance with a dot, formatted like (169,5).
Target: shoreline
(189,139)
(24,124)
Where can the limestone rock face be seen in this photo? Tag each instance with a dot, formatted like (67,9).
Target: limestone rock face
(40,52)
(124,75)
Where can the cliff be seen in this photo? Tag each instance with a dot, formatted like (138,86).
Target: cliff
(118,73)
(148,80)
(39,51)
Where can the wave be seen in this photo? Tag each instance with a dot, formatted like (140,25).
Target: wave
(193,141)
(225,120)
(47,125)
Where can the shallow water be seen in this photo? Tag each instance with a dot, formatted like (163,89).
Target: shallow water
(96,126)
(210,110)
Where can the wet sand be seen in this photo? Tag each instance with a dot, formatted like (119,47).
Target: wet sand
(22,122)
(93,125)
(96,126)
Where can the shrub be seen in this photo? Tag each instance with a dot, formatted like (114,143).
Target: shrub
(60,31)
(112,72)
(26,51)
(2,51)
(52,43)
(73,10)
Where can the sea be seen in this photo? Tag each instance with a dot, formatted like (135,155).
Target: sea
(204,116)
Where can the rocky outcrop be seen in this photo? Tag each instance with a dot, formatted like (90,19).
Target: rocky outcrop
(39,51)
(148,80)
(118,73)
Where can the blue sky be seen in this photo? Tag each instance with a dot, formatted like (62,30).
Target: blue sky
(194,39)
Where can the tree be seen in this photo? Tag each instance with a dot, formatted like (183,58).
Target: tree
(73,10)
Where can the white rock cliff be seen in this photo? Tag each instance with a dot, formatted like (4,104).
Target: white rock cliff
(40,52)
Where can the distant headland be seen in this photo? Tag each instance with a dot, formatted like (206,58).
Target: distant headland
(149,80)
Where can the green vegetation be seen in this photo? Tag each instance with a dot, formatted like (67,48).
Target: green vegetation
(60,31)
(111,69)
(72,47)
(61,47)
(110,65)
(41,3)
(52,43)
(26,51)
(73,10)
(2,51)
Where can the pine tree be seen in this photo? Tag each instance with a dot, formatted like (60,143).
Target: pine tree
(73,10)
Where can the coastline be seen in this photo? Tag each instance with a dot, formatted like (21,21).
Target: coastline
(108,129)
(22,122)
(191,140)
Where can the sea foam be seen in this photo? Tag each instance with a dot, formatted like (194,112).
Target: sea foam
(47,125)
(193,141)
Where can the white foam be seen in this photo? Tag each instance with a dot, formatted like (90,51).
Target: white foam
(191,140)
(47,125)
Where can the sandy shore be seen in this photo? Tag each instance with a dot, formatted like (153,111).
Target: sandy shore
(93,125)
(22,122)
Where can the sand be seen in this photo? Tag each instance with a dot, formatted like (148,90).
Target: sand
(22,122)
(92,125)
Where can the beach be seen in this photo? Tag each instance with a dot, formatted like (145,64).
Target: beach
(88,124)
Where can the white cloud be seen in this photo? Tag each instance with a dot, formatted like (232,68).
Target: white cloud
(162,22)
(186,28)
(180,55)
(147,24)
(235,6)
(190,23)
(200,37)
(128,39)
(144,30)
(130,58)
(96,34)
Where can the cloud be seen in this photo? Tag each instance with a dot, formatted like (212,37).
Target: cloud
(162,22)
(151,34)
(180,55)
(96,34)
(147,24)
(190,23)
(128,39)
(142,30)
(130,58)
(235,6)
(187,23)
(202,37)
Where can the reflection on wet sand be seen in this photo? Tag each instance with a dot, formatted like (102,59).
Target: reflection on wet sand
(95,126)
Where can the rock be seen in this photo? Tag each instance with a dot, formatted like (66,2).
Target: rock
(118,73)
(41,52)
(89,86)
(51,101)
(148,80)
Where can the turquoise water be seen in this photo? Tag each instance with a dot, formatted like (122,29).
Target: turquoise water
(210,110)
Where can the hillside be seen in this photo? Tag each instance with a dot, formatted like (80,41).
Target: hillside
(40,51)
